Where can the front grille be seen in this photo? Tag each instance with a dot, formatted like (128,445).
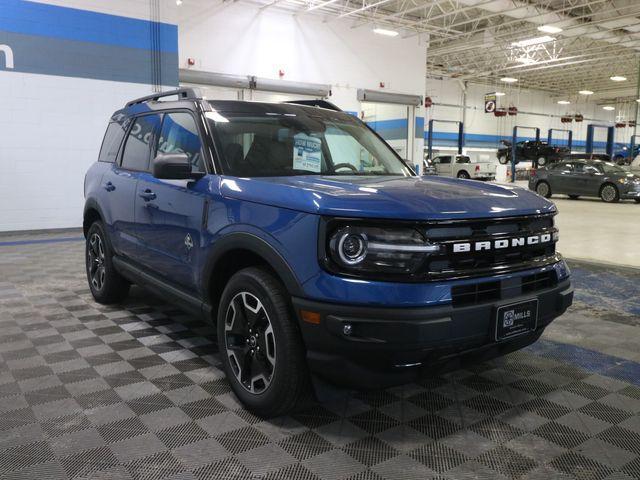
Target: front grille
(449,263)
(485,292)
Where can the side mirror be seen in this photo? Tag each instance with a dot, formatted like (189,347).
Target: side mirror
(174,166)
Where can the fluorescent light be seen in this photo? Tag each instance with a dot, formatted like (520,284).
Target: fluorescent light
(549,29)
(383,31)
(585,92)
(638,100)
(533,41)
(178,2)
(608,107)
(526,61)
(564,102)
(508,80)
(618,78)
(502,94)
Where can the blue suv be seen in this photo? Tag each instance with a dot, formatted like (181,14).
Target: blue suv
(313,247)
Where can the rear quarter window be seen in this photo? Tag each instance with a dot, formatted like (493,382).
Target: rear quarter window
(111,142)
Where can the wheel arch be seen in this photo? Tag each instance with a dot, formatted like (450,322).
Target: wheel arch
(91,213)
(236,251)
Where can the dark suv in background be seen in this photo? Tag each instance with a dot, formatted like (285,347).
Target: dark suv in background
(536,151)
(313,247)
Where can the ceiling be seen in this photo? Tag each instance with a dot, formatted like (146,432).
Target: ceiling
(474,39)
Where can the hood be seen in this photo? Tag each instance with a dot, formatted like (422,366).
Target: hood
(408,198)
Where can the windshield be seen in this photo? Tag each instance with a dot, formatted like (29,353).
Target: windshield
(608,167)
(300,141)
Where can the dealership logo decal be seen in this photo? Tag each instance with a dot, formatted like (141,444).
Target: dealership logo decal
(511,317)
(8,56)
(502,243)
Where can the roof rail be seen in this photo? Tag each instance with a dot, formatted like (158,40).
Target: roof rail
(182,93)
(316,103)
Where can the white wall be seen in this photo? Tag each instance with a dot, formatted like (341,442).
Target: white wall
(51,125)
(241,39)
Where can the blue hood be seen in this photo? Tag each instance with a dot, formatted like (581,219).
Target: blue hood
(409,198)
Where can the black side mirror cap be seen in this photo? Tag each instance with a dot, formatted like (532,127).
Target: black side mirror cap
(174,166)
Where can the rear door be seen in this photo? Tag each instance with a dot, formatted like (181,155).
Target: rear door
(121,180)
(170,213)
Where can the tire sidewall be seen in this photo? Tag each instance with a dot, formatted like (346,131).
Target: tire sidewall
(246,282)
(503,160)
(98,228)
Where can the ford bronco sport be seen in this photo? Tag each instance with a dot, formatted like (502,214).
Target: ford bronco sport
(313,246)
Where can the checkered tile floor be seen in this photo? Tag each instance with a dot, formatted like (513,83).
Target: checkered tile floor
(137,392)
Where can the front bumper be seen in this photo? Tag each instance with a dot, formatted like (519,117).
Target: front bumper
(632,192)
(392,346)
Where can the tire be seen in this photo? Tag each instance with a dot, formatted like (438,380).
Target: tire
(574,197)
(543,189)
(256,332)
(542,161)
(609,193)
(463,174)
(106,284)
(503,160)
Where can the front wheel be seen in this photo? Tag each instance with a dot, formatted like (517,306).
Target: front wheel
(542,161)
(260,345)
(503,159)
(543,189)
(609,193)
(106,284)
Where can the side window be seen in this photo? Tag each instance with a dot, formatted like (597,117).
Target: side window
(446,160)
(111,142)
(179,134)
(579,167)
(136,148)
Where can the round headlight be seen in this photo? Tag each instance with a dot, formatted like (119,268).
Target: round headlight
(352,247)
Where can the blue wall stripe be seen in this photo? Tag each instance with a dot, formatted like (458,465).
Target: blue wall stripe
(20,16)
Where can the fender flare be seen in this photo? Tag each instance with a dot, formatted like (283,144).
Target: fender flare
(92,204)
(255,244)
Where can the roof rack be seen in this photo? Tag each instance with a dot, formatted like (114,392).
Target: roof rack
(316,103)
(182,93)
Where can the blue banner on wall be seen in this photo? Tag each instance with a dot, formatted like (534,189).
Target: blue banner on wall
(51,40)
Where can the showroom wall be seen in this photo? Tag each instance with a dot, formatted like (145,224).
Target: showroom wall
(65,66)
(536,109)
(237,38)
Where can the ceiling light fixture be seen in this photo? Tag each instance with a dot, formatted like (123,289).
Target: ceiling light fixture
(178,2)
(564,102)
(608,107)
(638,100)
(549,29)
(585,92)
(618,78)
(385,32)
(502,94)
(508,80)
(533,41)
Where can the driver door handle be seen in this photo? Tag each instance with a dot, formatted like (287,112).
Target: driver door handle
(147,195)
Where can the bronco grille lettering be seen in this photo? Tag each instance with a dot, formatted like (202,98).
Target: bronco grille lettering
(463,247)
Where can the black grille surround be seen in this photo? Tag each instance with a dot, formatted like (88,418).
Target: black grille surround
(449,265)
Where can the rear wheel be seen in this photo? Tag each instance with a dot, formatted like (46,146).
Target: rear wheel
(503,159)
(260,345)
(106,284)
(543,189)
(463,174)
(574,197)
(609,193)
(542,161)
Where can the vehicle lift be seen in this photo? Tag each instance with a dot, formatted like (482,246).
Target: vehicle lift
(610,133)
(430,136)
(632,145)
(514,140)
(569,136)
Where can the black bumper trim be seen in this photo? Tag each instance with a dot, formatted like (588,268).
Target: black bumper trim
(389,346)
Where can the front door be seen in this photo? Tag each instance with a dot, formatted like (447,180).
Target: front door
(170,213)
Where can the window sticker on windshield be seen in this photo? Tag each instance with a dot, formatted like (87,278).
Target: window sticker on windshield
(307,153)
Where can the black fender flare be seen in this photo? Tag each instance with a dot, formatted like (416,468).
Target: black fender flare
(91,204)
(255,244)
